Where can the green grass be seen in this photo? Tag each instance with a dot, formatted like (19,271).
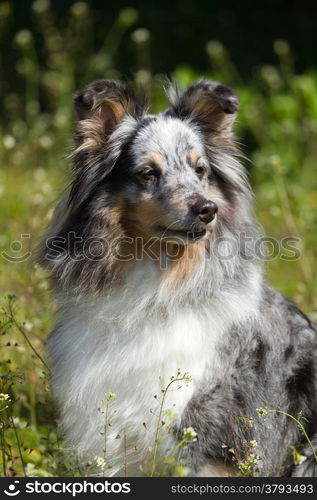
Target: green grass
(277,127)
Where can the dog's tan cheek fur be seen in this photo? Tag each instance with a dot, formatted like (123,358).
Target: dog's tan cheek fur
(137,220)
(184,263)
(120,221)
(136,224)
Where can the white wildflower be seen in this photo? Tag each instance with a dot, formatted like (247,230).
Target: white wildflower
(187,378)
(262,412)
(298,457)
(100,462)
(4,397)
(246,466)
(189,434)
(110,395)
(301,459)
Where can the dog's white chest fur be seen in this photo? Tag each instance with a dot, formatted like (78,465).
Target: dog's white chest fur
(131,346)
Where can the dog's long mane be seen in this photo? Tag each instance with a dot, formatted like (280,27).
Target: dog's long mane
(142,320)
(91,211)
(129,325)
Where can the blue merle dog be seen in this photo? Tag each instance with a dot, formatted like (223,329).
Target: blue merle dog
(152,257)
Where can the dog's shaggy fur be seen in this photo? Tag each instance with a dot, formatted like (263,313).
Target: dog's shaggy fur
(147,289)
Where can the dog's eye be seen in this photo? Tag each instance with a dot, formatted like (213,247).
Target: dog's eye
(149,173)
(200,169)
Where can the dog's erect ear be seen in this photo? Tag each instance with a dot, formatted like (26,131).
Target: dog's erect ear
(214,105)
(100,107)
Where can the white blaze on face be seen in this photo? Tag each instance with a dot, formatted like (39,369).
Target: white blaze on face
(169,137)
(173,146)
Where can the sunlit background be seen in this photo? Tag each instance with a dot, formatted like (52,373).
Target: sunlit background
(49,49)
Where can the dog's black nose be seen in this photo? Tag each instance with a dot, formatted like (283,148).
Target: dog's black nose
(205,210)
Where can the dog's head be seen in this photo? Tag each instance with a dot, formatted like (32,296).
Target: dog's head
(173,176)
(164,172)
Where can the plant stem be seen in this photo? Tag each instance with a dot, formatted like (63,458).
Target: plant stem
(125,455)
(106,425)
(300,425)
(19,445)
(156,442)
(21,330)
(4,467)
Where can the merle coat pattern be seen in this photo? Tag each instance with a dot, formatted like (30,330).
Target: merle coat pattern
(127,324)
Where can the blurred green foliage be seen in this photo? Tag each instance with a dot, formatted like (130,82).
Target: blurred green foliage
(277,128)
